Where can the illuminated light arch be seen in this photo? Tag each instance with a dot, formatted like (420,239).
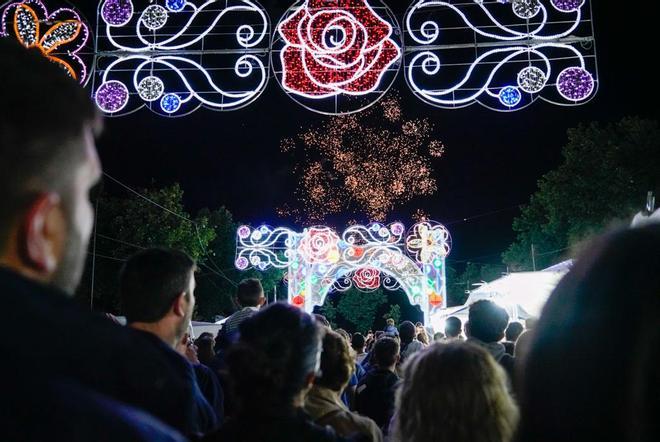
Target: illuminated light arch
(174,56)
(62,36)
(336,57)
(318,260)
(525,50)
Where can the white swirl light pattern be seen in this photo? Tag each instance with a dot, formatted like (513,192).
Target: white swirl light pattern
(162,53)
(545,50)
(318,260)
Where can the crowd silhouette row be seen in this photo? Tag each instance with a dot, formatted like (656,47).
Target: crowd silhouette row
(587,369)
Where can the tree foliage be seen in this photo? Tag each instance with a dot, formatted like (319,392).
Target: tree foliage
(394,313)
(604,177)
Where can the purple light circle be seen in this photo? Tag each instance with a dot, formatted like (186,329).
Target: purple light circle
(397,228)
(112,96)
(117,12)
(242,263)
(567,5)
(243,232)
(575,84)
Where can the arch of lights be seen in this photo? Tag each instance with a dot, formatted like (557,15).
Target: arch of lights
(319,260)
(331,56)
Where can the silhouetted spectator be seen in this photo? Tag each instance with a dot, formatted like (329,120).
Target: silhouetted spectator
(375,392)
(454,392)
(73,385)
(513,331)
(157,295)
(358,343)
(249,297)
(583,379)
(486,324)
(453,329)
(409,343)
(323,402)
(272,366)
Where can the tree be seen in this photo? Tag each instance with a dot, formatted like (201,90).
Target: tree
(458,285)
(393,313)
(606,172)
(128,224)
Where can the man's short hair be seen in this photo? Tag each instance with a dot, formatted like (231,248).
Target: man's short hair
(386,351)
(42,111)
(337,363)
(513,331)
(487,321)
(453,326)
(407,331)
(151,280)
(358,341)
(249,292)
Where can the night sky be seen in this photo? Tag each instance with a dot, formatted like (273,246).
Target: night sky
(492,162)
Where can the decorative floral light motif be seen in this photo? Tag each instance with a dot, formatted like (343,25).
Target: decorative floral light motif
(319,245)
(60,35)
(335,47)
(367,278)
(170,103)
(427,242)
(318,260)
(575,84)
(151,88)
(112,96)
(176,5)
(510,96)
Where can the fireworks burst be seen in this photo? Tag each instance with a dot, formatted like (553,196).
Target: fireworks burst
(362,164)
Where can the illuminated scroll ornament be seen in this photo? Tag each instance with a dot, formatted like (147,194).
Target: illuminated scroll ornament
(173,56)
(503,55)
(60,35)
(318,260)
(336,56)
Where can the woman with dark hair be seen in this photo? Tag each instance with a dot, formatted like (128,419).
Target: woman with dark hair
(271,367)
(592,370)
(454,392)
(323,402)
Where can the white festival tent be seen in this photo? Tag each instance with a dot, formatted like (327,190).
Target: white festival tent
(522,294)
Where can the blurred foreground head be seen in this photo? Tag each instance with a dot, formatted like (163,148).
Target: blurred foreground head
(275,360)
(48,165)
(454,392)
(592,370)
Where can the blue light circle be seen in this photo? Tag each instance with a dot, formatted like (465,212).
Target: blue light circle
(170,103)
(175,5)
(510,96)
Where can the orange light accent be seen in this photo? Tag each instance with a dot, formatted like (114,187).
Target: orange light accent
(53,29)
(30,11)
(65,65)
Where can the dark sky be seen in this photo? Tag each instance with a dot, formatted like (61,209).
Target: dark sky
(493,160)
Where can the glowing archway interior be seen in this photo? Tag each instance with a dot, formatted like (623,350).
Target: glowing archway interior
(318,259)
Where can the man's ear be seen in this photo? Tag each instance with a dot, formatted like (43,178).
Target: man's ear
(179,305)
(262,300)
(42,234)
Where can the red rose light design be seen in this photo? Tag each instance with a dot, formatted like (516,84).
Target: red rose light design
(335,47)
(367,278)
(319,245)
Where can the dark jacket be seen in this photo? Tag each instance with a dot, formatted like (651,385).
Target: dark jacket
(283,427)
(375,396)
(60,341)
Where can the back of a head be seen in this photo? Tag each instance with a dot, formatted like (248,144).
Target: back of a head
(151,280)
(582,381)
(407,331)
(358,342)
(456,393)
(336,362)
(386,352)
(453,327)
(513,331)
(278,348)
(250,292)
(487,321)
(43,111)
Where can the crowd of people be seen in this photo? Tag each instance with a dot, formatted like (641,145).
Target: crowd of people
(587,370)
